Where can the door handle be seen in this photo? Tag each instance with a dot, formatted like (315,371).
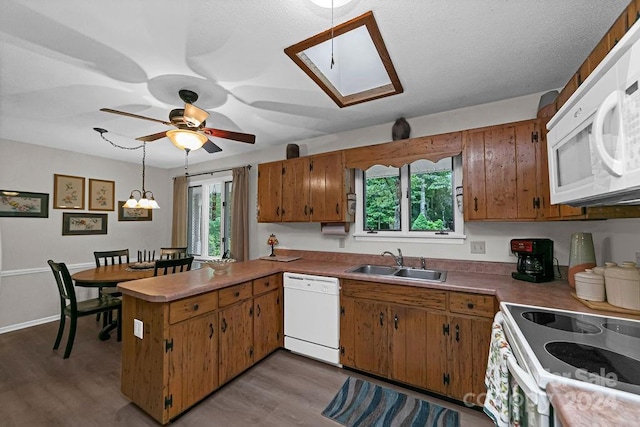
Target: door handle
(381,318)
(395,321)
(224,324)
(475,204)
(258,310)
(457,333)
(210,330)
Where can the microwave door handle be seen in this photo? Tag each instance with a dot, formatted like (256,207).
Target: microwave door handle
(614,166)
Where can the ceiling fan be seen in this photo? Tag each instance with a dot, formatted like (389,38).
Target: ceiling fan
(190,123)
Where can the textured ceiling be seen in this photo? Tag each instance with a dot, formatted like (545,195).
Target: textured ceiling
(61,61)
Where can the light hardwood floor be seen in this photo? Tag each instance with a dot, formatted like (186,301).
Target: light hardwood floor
(39,388)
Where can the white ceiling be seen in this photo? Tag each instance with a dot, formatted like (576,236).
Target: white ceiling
(61,61)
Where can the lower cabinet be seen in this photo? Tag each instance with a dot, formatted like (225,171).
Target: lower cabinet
(192,346)
(426,339)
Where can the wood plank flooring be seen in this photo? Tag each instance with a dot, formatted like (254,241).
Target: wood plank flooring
(39,388)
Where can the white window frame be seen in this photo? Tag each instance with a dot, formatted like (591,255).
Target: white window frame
(206,183)
(455,237)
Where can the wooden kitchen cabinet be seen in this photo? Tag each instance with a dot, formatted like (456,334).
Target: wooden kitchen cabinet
(270,192)
(235,320)
(502,172)
(310,188)
(427,338)
(267,323)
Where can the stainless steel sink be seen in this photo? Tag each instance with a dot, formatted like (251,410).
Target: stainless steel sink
(375,269)
(403,272)
(416,273)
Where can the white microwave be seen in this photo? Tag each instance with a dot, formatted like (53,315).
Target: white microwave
(594,139)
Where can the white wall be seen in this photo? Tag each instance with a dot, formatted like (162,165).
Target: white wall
(28,293)
(613,239)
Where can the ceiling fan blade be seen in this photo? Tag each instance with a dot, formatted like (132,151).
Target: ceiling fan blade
(227,134)
(152,137)
(210,147)
(135,116)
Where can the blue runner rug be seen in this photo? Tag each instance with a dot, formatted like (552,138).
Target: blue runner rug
(362,404)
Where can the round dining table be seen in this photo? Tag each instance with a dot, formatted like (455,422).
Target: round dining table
(107,276)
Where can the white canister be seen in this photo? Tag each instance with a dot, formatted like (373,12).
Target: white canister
(623,285)
(590,286)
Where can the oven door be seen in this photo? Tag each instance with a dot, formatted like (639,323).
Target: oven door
(526,400)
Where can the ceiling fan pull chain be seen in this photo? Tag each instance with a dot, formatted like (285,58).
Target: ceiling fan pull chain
(186,162)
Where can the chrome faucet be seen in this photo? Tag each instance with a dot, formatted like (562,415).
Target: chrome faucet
(399,259)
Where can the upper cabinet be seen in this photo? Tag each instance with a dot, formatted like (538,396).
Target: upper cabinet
(305,189)
(504,173)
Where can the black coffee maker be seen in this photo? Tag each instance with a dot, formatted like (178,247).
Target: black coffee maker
(535,259)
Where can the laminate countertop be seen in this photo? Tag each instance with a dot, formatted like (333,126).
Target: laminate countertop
(555,294)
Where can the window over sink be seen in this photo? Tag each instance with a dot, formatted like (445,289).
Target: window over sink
(417,201)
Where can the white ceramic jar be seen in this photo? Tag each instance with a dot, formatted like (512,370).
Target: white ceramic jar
(590,286)
(623,285)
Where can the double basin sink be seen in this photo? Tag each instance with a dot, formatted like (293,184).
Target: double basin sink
(403,272)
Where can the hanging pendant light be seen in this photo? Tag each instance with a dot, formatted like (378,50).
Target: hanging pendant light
(146,200)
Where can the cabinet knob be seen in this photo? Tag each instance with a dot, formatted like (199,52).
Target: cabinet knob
(470,305)
(195,307)
(236,294)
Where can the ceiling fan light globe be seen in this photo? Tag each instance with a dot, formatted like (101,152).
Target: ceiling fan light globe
(186,139)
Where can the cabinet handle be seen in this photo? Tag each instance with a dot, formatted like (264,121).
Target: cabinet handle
(381,318)
(338,208)
(210,330)
(305,210)
(470,305)
(250,311)
(278,211)
(195,307)
(258,310)
(475,204)
(457,333)
(395,321)
(236,294)
(224,324)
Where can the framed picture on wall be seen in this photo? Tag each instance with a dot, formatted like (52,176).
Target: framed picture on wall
(101,195)
(133,214)
(77,224)
(23,204)
(68,192)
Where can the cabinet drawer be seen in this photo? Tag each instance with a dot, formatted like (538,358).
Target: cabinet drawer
(477,305)
(234,294)
(193,306)
(398,294)
(266,284)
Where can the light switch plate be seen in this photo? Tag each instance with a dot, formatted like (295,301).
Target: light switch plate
(477,248)
(138,328)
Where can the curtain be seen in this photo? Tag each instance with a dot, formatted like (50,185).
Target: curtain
(240,212)
(180,203)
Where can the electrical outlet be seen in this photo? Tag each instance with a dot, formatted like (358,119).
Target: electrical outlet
(138,328)
(477,248)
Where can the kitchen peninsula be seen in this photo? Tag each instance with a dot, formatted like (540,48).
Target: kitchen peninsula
(200,330)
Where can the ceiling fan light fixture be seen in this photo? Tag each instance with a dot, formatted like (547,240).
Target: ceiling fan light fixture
(194,116)
(186,139)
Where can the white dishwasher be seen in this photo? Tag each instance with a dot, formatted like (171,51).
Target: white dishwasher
(312,316)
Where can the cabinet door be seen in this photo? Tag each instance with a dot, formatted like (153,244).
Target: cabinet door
(371,342)
(267,321)
(347,331)
(236,339)
(327,193)
(528,144)
(269,192)
(193,361)
(295,190)
(437,353)
(474,177)
(416,345)
(469,351)
(500,172)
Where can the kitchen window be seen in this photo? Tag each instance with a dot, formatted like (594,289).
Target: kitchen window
(209,217)
(417,201)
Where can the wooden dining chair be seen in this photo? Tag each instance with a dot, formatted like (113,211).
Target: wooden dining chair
(73,309)
(170,266)
(110,258)
(173,253)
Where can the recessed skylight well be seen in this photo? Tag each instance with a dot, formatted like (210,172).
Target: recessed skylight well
(361,70)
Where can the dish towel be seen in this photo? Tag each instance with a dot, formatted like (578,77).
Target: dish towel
(504,397)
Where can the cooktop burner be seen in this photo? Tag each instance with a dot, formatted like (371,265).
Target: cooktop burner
(561,322)
(560,345)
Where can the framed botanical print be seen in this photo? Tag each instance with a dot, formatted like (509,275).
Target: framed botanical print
(75,224)
(68,192)
(23,204)
(101,195)
(133,214)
